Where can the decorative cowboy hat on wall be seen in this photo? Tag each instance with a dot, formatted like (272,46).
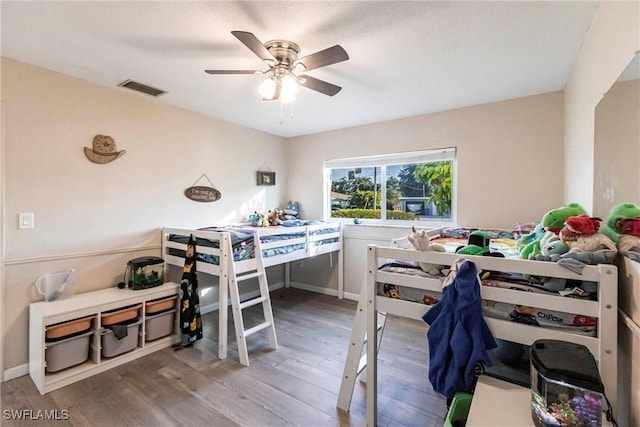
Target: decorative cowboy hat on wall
(104,150)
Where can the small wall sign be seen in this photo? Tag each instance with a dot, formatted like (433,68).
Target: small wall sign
(202,193)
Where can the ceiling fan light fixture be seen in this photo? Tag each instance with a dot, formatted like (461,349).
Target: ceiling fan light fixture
(289,88)
(267,88)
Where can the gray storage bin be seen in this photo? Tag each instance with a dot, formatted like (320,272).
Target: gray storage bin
(111,346)
(159,325)
(68,352)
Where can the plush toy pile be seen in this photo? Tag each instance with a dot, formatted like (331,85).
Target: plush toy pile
(276,216)
(570,234)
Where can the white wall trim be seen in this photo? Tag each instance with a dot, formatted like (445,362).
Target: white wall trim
(20,261)
(316,289)
(15,372)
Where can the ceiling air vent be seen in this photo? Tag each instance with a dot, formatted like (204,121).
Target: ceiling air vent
(139,87)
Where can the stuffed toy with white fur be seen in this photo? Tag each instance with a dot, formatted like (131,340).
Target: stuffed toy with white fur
(421,242)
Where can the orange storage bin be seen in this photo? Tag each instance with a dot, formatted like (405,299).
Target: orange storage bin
(68,328)
(159,305)
(120,315)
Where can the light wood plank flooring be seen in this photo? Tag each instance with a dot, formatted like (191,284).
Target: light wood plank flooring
(296,385)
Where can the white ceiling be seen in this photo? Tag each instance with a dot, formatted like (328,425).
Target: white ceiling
(406,58)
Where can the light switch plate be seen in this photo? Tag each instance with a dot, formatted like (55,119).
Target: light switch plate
(26,221)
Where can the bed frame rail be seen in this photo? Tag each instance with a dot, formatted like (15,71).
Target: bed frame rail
(603,346)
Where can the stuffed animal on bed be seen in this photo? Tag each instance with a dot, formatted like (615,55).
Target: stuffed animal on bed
(621,211)
(586,244)
(420,241)
(552,222)
(275,217)
(256,219)
(629,240)
(291,210)
(580,233)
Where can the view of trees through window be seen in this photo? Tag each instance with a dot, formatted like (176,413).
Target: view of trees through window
(412,191)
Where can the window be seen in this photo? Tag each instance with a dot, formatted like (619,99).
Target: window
(415,186)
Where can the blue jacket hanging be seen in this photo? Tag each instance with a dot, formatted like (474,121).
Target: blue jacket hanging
(458,335)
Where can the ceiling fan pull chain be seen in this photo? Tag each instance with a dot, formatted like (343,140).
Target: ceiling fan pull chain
(291,110)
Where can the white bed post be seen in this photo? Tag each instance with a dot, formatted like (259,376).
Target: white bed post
(223,298)
(340,265)
(372,339)
(608,332)
(356,362)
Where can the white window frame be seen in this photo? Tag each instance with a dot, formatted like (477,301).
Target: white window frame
(383,160)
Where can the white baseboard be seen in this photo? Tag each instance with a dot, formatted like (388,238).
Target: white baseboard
(16,372)
(316,289)
(351,296)
(253,294)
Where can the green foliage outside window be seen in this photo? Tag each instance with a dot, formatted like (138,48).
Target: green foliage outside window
(437,176)
(372,214)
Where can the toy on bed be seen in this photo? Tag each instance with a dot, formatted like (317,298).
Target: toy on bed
(291,210)
(256,219)
(629,241)
(275,217)
(623,226)
(578,244)
(478,244)
(421,242)
(580,233)
(621,211)
(552,222)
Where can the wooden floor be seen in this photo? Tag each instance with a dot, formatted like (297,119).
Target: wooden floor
(296,385)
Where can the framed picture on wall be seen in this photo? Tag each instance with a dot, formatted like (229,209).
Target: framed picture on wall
(266,178)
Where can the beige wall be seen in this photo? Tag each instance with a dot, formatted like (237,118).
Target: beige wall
(95,217)
(510,157)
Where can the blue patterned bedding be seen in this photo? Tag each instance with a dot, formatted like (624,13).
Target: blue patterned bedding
(243,245)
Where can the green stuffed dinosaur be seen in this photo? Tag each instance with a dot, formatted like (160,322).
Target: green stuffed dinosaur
(552,222)
(622,211)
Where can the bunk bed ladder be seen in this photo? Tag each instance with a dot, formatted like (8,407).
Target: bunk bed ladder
(356,355)
(263,298)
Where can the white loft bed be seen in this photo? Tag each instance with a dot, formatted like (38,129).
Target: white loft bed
(603,346)
(283,244)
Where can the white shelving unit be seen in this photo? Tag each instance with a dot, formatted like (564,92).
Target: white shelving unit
(43,314)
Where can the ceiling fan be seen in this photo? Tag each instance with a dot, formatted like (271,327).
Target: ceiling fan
(283,75)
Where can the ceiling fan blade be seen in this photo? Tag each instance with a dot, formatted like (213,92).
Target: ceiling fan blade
(233,72)
(319,85)
(252,42)
(328,56)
